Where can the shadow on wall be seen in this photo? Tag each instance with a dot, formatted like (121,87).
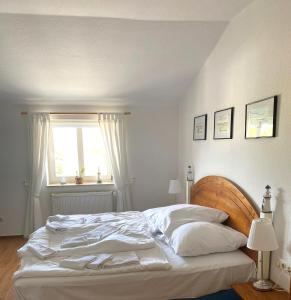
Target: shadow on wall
(279,220)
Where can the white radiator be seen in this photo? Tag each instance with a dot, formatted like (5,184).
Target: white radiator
(82,203)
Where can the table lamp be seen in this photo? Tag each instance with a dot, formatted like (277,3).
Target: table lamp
(174,187)
(262,238)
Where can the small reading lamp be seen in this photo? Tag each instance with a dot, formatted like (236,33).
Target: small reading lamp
(262,238)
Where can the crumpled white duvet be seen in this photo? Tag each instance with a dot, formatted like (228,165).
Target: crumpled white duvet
(130,233)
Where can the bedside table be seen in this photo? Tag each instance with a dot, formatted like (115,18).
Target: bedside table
(247,292)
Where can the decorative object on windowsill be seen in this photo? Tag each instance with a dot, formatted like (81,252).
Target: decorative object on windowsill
(223,124)
(79,179)
(260,118)
(99,176)
(63,180)
(266,213)
(174,187)
(262,238)
(189,183)
(200,128)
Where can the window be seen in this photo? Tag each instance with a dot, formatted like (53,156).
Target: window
(74,147)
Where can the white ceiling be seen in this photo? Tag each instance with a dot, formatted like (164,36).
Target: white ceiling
(158,10)
(106,52)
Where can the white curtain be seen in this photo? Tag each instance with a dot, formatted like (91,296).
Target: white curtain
(114,136)
(38,135)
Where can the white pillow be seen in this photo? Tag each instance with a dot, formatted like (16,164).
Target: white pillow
(168,218)
(200,238)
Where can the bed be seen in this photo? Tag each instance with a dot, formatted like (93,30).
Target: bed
(187,276)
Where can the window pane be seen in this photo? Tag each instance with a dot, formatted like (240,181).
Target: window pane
(66,151)
(94,152)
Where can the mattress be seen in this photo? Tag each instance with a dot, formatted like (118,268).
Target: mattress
(188,277)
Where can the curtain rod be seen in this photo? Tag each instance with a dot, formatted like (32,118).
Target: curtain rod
(24,113)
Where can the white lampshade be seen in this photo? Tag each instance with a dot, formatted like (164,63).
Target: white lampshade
(262,236)
(174,187)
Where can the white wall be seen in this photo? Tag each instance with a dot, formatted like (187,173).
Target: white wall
(152,148)
(12,170)
(153,152)
(251,61)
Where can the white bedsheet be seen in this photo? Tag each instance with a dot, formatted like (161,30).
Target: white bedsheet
(188,277)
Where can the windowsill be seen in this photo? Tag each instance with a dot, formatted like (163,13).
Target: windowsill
(79,185)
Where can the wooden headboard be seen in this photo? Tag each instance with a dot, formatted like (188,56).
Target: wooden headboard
(220,193)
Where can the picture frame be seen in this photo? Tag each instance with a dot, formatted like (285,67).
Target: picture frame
(261,118)
(200,128)
(223,124)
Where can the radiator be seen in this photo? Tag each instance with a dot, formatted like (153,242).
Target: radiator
(82,203)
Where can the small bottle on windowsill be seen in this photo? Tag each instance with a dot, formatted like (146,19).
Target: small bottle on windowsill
(99,176)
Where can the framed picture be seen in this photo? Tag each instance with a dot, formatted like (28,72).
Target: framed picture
(261,118)
(223,124)
(200,128)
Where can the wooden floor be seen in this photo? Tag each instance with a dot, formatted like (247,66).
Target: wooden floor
(8,264)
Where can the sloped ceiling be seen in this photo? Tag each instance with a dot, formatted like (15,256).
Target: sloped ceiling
(106,52)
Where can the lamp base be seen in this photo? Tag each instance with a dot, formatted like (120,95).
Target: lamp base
(263,285)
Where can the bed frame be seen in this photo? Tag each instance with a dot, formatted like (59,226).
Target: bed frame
(218,192)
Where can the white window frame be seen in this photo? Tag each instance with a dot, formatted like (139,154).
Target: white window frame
(53,179)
